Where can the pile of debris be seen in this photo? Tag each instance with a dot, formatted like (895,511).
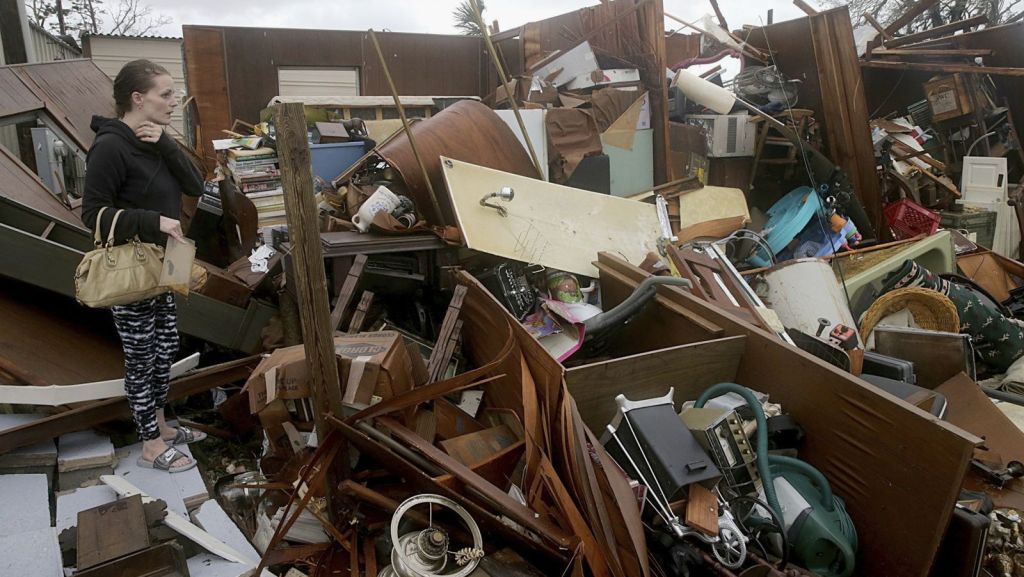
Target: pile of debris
(623,315)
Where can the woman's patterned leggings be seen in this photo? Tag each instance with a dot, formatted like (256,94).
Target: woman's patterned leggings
(149,334)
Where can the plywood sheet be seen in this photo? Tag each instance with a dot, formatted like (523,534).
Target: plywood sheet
(549,224)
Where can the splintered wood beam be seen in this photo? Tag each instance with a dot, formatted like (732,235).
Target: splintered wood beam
(443,348)
(718,14)
(936,32)
(307,255)
(348,290)
(876,25)
(933,52)
(805,7)
(359,317)
(908,15)
(943,67)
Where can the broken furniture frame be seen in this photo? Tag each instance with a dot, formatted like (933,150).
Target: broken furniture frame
(866,442)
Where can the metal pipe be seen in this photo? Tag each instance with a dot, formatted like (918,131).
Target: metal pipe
(504,84)
(403,451)
(405,124)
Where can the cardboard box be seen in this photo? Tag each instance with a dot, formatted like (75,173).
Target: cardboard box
(373,364)
(369,364)
(948,97)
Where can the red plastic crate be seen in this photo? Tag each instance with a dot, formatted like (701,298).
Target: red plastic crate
(908,219)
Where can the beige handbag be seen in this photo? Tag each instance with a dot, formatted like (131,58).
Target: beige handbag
(115,275)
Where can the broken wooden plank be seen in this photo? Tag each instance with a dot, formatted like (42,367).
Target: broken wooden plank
(937,32)
(944,67)
(21,374)
(359,317)
(876,25)
(110,531)
(805,7)
(348,290)
(55,395)
(439,357)
(474,448)
(909,14)
(103,411)
(307,256)
(932,52)
(702,510)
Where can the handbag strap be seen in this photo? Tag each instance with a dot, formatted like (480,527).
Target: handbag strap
(113,224)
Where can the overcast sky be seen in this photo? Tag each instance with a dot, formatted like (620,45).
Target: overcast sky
(432,16)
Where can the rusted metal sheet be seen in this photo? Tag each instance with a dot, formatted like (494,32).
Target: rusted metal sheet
(21,185)
(70,91)
(18,98)
(74,90)
(467,131)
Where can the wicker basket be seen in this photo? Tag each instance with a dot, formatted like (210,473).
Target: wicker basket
(932,310)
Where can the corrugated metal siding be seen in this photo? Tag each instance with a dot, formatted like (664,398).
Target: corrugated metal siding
(111,53)
(49,49)
(9,139)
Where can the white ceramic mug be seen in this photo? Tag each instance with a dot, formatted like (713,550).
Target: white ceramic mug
(382,200)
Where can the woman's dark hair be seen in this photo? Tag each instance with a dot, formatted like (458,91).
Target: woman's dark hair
(136,76)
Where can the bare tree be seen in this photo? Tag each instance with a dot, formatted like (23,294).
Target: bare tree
(88,16)
(943,12)
(133,17)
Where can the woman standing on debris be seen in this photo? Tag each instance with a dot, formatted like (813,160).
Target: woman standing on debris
(136,167)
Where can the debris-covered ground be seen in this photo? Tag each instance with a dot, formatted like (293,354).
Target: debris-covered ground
(720,301)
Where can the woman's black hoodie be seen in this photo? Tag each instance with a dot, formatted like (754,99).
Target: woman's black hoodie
(146,179)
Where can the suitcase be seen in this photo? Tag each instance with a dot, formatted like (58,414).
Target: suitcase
(963,547)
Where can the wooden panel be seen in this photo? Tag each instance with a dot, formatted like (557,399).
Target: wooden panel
(207,82)
(252,56)
(898,468)
(74,90)
(538,227)
(110,531)
(832,87)
(689,368)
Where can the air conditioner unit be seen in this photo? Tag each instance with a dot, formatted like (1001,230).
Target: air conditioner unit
(727,134)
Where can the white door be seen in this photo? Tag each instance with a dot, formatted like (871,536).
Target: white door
(306,81)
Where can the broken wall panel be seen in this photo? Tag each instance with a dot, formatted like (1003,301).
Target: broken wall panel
(233,71)
(890,90)
(831,86)
(633,30)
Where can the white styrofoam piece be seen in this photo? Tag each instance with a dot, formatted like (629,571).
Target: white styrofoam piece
(24,504)
(212,519)
(579,60)
(210,565)
(611,76)
(31,553)
(84,450)
(157,484)
(54,395)
(9,421)
(70,504)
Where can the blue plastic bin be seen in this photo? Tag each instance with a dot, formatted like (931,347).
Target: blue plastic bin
(330,160)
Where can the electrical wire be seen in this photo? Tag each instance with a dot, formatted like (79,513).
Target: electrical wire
(760,240)
(810,175)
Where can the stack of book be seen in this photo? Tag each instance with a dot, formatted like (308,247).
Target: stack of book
(258,176)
